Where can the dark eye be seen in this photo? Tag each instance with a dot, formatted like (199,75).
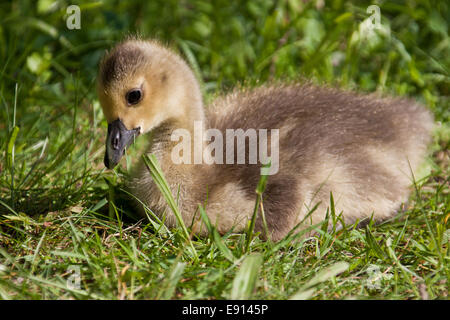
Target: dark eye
(134,96)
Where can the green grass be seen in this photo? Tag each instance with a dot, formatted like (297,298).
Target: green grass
(60,209)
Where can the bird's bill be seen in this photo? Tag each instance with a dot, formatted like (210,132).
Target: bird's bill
(118,139)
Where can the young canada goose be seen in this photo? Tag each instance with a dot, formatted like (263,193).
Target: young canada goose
(362,148)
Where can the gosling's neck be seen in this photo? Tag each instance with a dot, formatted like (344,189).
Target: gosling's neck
(189,117)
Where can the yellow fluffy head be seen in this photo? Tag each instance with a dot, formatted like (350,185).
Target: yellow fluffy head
(141,85)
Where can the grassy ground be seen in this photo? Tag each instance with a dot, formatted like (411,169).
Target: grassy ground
(56,217)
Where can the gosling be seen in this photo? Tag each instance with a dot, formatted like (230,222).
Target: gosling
(363,149)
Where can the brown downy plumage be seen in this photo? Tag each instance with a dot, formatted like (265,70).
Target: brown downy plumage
(362,148)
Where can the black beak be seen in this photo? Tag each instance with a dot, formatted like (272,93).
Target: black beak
(118,139)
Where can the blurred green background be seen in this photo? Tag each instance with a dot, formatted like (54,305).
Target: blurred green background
(230,41)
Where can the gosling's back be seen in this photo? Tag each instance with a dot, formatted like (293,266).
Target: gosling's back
(362,148)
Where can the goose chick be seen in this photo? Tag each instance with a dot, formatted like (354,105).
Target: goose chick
(362,148)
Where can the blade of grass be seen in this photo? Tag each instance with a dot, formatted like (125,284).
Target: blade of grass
(158,178)
(259,191)
(306,291)
(171,280)
(373,245)
(245,280)
(215,237)
(406,272)
(33,262)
